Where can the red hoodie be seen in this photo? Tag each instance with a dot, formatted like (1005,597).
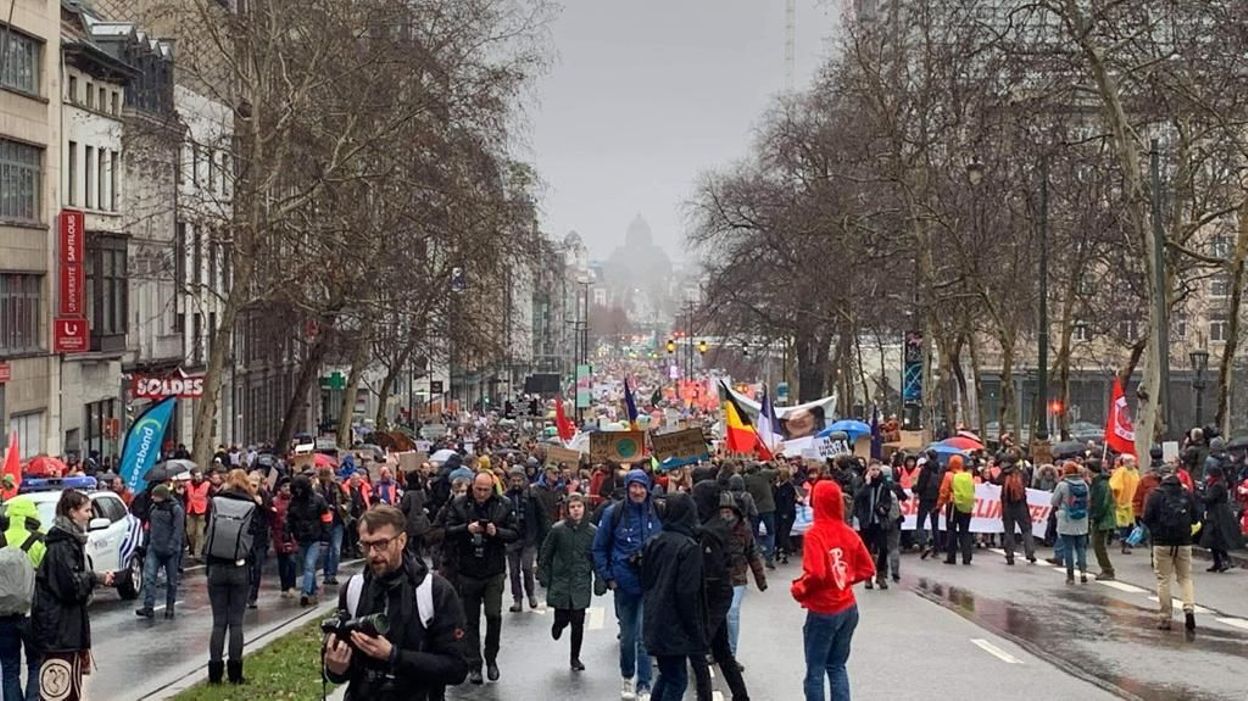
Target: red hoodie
(834,558)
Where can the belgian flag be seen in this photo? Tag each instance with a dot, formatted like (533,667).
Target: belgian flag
(739,432)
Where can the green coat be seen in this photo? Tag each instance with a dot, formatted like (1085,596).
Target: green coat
(565,566)
(1101,504)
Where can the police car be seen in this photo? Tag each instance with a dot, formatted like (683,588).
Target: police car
(114,536)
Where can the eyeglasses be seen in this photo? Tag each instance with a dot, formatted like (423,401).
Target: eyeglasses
(378,545)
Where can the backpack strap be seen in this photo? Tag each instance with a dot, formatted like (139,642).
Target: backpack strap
(355,589)
(30,541)
(424,600)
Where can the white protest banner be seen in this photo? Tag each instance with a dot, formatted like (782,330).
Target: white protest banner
(986,517)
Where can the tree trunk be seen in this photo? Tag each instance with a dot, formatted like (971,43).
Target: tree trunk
(1226,368)
(359,360)
(307,375)
(1006,413)
(981,413)
(812,367)
(963,399)
(206,407)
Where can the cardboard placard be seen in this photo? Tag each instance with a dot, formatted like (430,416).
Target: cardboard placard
(689,443)
(617,446)
(410,460)
(301,462)
(1170,451)
(1041,453)
(558,454)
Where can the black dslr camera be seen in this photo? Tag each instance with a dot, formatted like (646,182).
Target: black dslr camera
(342,625)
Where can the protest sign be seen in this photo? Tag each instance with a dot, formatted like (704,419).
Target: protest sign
(557,454)
(617,446)
(689,443)
(986,516)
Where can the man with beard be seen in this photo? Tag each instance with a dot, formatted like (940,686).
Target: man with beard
(420,651)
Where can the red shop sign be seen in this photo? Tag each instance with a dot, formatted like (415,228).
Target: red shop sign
(70,335)
(6,372)
(72,263)
(178,385)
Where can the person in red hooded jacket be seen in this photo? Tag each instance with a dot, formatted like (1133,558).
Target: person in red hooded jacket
(834,559)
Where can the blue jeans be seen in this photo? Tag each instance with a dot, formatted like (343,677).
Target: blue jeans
(766,542)
(152,564)
(827,638)
(14,633)
(309,555)
(734,616)
(1075,552)
(334,556)
(673,678)
(633,655)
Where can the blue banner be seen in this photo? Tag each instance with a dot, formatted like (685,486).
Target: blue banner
(142,448)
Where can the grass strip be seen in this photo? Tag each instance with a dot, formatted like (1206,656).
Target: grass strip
(287,668)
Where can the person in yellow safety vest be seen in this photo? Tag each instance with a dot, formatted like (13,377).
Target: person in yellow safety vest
(1124,481)
(22,532)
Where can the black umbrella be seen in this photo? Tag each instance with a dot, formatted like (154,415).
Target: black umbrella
(167,470)
(1069,449)
(1240,443)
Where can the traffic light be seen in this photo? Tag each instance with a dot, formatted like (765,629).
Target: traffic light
(702,347)
(1055,407)
(671,346)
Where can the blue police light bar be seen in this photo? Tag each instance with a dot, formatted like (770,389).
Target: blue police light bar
(56,484)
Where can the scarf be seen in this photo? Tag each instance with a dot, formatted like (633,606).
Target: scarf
(71,527)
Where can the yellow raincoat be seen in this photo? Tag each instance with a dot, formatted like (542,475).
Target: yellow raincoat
(1123,483)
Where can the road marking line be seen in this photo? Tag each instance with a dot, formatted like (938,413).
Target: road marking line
(995,651)
(597,617)
(1123,586)
(998,551)
(1179,605)
(175,603)
(1234,622)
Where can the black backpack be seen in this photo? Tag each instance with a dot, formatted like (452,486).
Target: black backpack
(1174,516)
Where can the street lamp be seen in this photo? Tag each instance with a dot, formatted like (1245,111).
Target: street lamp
(1200,361)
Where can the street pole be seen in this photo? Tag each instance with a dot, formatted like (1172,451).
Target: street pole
(1159,290)
(1042,374)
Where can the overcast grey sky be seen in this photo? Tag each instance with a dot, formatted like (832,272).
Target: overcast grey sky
(646,94)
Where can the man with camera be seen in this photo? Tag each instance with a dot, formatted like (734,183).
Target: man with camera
(399,629)
(479,526)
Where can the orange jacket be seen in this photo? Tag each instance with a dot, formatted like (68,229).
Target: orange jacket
(946,483)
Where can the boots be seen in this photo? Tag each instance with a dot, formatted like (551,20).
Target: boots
(215,671)
(234,669)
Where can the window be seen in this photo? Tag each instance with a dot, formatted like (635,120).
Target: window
(72,188)
(19,313)
(96,415)
(88,169)
(1079,332)
(108,294)
(1220,286)
(109,507)
(20,59)
(197,259)
(1220,247)
(116,106)
(213,251)
(29,429)
(1180,327)
(90,95)
(179,256)
(21,174)
(72,90)
(225,174)
(103,98)
(212,170)
(1219,329)
(101,179)
(115,180)
(1129,329)
(195,164)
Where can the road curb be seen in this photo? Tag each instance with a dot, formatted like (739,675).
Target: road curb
(200,673)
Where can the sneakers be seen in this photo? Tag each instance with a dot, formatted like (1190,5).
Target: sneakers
(643,693)
(626,691)
(1105,577)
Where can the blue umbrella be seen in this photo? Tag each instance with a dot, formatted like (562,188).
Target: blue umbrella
(944,449)
(852,427)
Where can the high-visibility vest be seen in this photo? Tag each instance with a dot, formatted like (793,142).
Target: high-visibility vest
(197,498)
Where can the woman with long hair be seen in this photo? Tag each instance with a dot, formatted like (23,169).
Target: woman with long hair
(229,572)
(63,586)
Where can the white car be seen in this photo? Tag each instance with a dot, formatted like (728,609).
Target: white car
(113,536)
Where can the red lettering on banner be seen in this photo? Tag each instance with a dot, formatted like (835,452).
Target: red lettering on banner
(73,273)
(6,372)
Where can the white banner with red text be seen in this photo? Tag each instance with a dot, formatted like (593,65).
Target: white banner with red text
(986,517)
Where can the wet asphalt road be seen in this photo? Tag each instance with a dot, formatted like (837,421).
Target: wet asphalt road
(986,631)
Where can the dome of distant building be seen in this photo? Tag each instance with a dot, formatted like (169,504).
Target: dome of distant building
(572,239)
(639,234)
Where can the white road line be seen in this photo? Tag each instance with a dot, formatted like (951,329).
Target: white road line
(1123,586)
(1179,605)
(998,551)
(597,618)
(176,603)
(1234,622)
(995,651)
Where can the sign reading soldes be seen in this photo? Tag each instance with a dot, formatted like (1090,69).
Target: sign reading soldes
(184,386)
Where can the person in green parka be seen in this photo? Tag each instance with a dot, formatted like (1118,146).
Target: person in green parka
(565,568)
(1104,518)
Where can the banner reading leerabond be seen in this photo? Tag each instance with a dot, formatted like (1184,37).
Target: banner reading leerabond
(986,518)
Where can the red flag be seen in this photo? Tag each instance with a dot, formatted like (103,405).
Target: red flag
(12,467)
(562,423)
(1119,430)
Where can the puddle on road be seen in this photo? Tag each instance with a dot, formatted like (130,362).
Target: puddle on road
(1106,641)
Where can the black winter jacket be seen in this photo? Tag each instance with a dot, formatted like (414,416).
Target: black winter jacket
(63,588)
(676,617)
(428,659)
(167,531)
(490,558)
(1170,488)
(306,517)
